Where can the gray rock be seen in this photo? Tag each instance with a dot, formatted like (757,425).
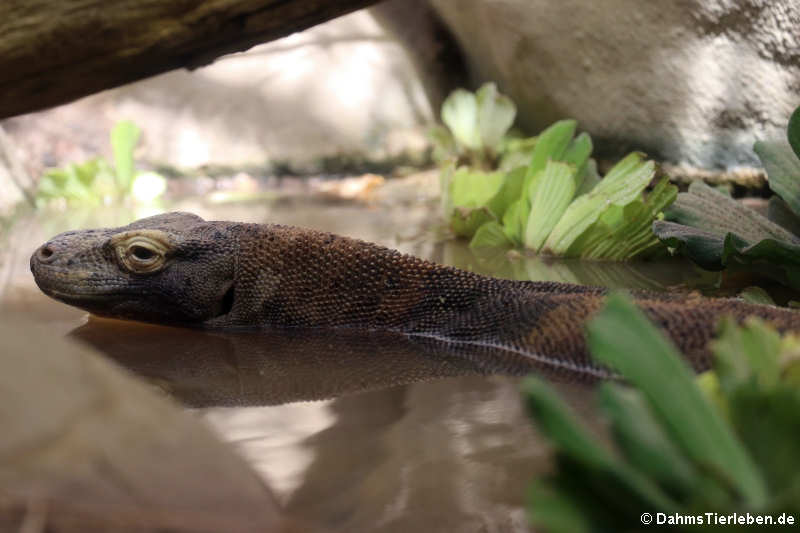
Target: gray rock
(694,82)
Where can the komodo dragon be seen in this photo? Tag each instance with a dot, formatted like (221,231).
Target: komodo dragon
(177,268)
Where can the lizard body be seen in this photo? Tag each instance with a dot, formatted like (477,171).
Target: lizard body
(177,268)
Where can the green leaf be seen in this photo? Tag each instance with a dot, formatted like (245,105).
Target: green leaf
(74,183)
(748,354)
(783,170)
(444,146)
(460,114)
(622,233)
(446,176)
(559,425)
(706,208)
(768,425)
(590,178)
(86,172)
(579,150)
(490,235)
(793,131)
(465,221)
(510,191)
(517,152)
(496,114)
(763,402)
(756,295)
(618,336)
(716,231)
(640,436)
(703,247)
(549,194)
(577,154)
(469,192)
(473,188)
(555,511)
(124,137)
(552,144)
(514,220)
(623,184)
(779,212)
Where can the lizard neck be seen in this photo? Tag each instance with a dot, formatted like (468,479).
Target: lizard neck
(286,277)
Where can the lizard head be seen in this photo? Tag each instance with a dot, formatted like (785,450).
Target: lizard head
(174,267)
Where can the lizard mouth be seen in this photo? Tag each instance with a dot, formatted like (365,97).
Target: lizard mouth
(77,289)
(74,296)
(226,304)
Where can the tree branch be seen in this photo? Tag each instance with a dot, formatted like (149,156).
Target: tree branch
(54,51)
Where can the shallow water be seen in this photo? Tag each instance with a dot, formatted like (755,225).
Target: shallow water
(353,432)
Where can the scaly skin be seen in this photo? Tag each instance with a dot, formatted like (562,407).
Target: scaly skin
(179,269)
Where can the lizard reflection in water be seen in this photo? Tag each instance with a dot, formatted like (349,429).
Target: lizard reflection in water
(271,367)
(179,269)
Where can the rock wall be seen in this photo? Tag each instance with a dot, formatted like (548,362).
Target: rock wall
(691,81)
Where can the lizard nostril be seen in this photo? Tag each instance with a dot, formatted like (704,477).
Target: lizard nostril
(46,254)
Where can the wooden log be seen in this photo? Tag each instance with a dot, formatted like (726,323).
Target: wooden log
(55,51)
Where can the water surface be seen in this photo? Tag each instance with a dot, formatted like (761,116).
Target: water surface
(355,432)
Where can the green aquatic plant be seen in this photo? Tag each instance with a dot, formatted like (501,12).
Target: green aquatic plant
(556,203)
(717,232)
(683,446)
(97,181)
(476,128)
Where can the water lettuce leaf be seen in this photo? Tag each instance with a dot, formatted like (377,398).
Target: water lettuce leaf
(469,192)
(793,132)
(517,152)
(644,442)
(755,295)
(625,232)
(601,469)
(754,368)
(87,183)
(590,178)
(611,221)
(514,220)
(783,169)
(723,442)
(780,213)
(460,114)
(549,195)
(478,120)
(707,208)
(716,231)
(496,114)
(618,337)
(622,185)
(490,235)
(552,145)
(474,188)
(96,181)
(556,511)
(124,136)
(509,192)
(577,154)
(465,221)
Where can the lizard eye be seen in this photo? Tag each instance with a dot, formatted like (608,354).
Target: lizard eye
(142,252)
